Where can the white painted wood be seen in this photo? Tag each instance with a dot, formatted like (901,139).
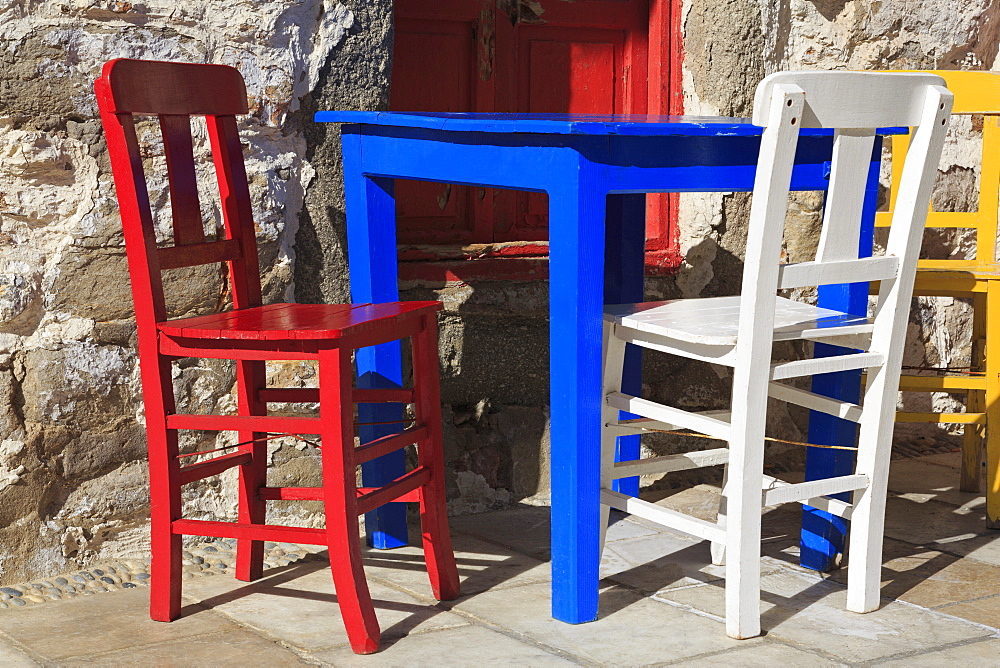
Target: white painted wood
(802,274)
(851,99)
(718,549)
(715,320)
(740,331)
(724,355)
(797,492)
(671,463)
(832,506)
(855,341)
(816,402)
(634,425)
(614,360)
(875,441)
(811,367)
(683,419)
(664,516)
(841,233)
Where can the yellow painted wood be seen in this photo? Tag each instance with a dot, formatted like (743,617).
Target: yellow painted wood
(941,418)
(993,408)
(942,383)
(976,93)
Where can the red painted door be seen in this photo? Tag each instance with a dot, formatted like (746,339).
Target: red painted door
(587,56)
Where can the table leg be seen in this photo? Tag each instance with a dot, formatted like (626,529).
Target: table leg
(576,297)
(371,240)
(823,535)
(624,268)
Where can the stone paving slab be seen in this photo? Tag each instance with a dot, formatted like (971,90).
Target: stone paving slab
(481,566)
(631,629)
(932,478)
(235,649)
(768,654)
(13,657)
(298,606)
(95,624)
(810,611)
(979,653)
(467,646)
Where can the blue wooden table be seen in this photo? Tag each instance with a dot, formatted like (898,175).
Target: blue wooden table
(595,170)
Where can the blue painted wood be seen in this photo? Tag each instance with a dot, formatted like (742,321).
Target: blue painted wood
(824,536)
(576,255)
(579,161)
(624,274)
(372,261)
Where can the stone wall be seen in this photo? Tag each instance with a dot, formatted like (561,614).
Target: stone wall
(73,485)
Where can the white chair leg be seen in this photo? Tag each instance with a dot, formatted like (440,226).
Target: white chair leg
(614,362)
(719,548)
(743,536)
(864,570)
(743,496)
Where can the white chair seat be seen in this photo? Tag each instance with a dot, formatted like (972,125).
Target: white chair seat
(716,320)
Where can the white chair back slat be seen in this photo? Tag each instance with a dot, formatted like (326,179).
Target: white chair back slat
(845,198)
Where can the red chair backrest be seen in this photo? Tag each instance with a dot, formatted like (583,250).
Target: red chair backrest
(174,92)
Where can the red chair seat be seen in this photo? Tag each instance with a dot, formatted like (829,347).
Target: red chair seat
(283,322)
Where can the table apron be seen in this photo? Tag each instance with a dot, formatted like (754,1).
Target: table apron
(623,165)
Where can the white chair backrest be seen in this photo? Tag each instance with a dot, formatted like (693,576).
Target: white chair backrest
(854,105)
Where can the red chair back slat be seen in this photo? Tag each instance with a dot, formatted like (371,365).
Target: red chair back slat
(174,92)
(178,149)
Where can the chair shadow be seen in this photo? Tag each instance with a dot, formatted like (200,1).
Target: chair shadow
(477,575)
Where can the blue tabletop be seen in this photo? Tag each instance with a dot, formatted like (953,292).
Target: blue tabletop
(563,124)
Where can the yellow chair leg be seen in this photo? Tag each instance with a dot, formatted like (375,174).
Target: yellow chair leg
(975,402)
(993,410)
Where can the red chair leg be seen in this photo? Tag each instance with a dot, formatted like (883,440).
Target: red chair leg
(340,492)
(166,568)
(250,377)
(438,552)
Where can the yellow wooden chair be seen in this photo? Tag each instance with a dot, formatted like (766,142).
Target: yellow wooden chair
(976,93)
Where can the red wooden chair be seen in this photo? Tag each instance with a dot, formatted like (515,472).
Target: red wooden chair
(250,334)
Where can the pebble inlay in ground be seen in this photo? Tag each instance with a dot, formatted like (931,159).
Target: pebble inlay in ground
(213,558)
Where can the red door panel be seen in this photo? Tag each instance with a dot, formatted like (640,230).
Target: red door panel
(433,212)
(584,56)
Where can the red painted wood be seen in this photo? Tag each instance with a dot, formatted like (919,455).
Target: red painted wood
(413,496)
(249,333)
(341,502)
(291,493)
(175,257)
(317,494)
(272,532)
(178,150)
(154,87)
(211,467)
(387,444)
(301,321)
(274,424)
(438,553)
(310,395)
(600,56)
(404,484)
(251,377)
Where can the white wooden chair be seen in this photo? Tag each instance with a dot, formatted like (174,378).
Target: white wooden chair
(739,331)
